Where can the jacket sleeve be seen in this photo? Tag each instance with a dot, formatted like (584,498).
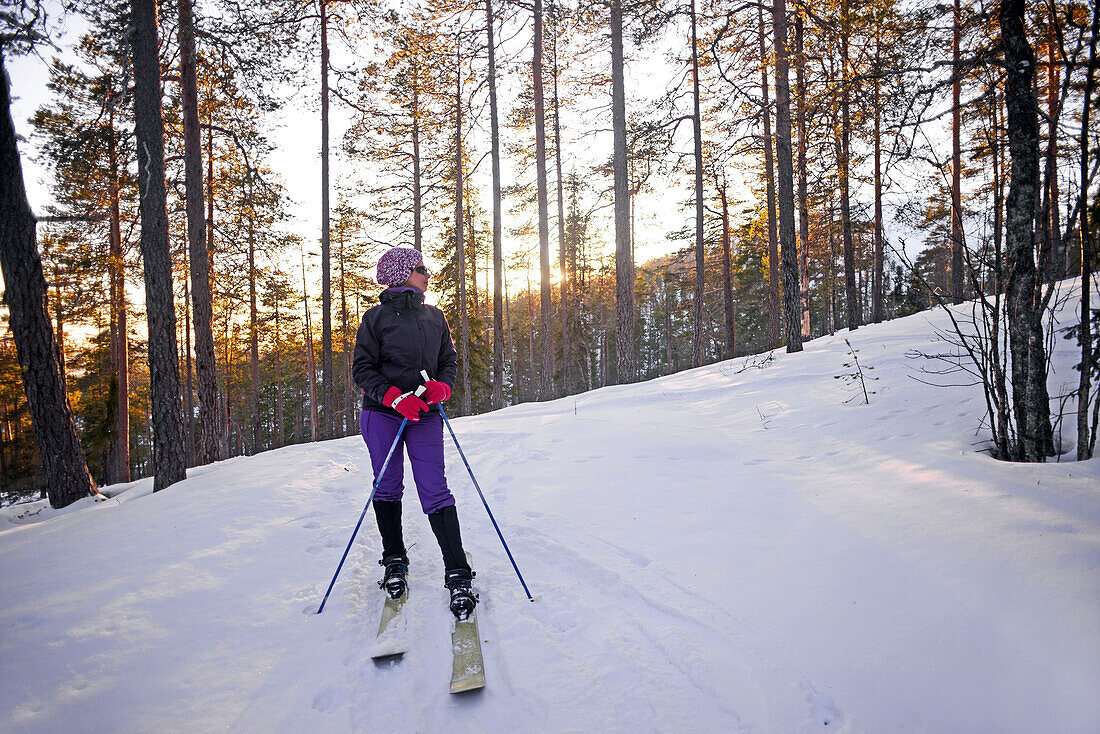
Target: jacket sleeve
(447,362)
(366,366)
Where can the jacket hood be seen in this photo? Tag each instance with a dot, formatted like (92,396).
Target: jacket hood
(402,298)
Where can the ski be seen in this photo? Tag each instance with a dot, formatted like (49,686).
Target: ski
(391,640)
(467,665)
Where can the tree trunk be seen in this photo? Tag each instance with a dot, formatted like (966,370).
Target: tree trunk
(189,380)
(498,255)
(460,241)
(1086,441)
(727,279)
(471,248)
(120,352)
(563,258)
(698,347)
(876,276)
(1024,315)
(328,378)
(624,258)
(277,438)
(769,173)
(206,370)
(531,337)
(417,194)
(64,470)
(510,345)
(1056,261)
(310,369)
(231,442)
(851,289)
(830,274)
(546,333)
(785,168)
(998,191)
(958,278)
(253,320)
(347,404)
(803,195)
(188,96)
(1002,420)
(169,465)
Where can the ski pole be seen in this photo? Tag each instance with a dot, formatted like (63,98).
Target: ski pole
(482,494)
(374,488)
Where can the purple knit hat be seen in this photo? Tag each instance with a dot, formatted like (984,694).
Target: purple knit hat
(396,265)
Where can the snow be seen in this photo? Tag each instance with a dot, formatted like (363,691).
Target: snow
(731,548)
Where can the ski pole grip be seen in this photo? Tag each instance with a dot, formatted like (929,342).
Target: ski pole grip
(424,374)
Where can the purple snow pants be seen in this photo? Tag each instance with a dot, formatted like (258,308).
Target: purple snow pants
(424,441)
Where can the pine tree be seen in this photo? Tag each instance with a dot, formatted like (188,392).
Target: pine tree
(791,306)
(65,471)
(212,439)
(697,344)
(624,256)
(84,138)
(168,454)
(498,253)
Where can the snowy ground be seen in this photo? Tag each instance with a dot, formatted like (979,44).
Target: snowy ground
(716,551)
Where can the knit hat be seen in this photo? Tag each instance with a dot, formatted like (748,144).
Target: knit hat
(396,265)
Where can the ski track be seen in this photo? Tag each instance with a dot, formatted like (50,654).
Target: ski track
(608,642)
(709,674)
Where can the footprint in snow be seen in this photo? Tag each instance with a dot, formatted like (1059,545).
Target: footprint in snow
(825,711)
(327,701)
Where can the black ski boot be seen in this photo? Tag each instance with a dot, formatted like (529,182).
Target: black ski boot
(393,583)
(458,574)
(394,556)
(463,598)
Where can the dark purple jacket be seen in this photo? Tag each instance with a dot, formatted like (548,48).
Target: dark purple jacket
(396,340)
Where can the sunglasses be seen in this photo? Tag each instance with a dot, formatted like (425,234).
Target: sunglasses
(422,270)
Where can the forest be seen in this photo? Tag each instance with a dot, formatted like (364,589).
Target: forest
(605,192)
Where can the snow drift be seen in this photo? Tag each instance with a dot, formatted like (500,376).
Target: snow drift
(739,547)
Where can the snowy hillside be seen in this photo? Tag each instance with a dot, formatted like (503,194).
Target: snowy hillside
(721,550)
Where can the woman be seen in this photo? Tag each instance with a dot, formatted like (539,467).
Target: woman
(399,338)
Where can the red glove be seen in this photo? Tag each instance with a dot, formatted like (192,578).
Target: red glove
(436,392)
(407,404)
